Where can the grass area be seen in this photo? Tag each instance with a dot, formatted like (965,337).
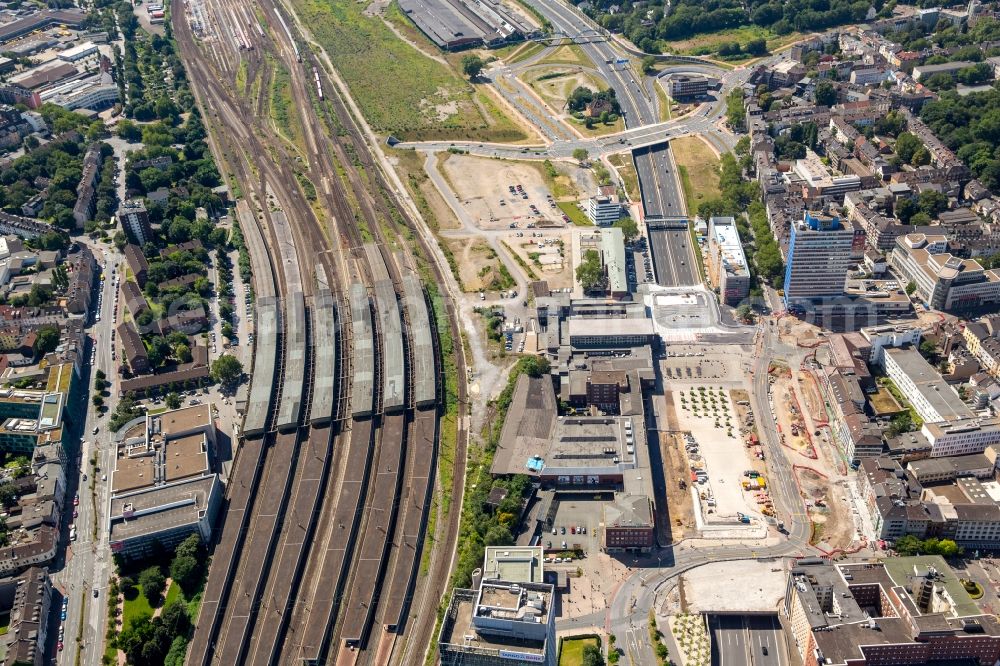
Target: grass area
(571,650)
(522,52)
(241,77)
(626,171)
(567,54)
(429,99)
(448,425)
(573,212)
(699,170)
(136,606)
(890,385)
(600,129)
(560,185)
(280,107)
(708,44)
(696,248)
(665,102)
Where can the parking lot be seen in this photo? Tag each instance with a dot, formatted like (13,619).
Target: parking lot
(577,521)
(638,264)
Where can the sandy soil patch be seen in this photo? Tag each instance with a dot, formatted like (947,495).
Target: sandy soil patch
(478,263)
(483,185)
(827,506)
(548,253)
(792,427)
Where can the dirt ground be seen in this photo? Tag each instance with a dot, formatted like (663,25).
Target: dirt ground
(825,503)
(797,332)
(478,263)
(791,425)
(482,186)
(548,253)
(411,164)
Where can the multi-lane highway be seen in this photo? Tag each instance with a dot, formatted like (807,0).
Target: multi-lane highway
(746,640)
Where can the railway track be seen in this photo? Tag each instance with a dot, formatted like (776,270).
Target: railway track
(293,597)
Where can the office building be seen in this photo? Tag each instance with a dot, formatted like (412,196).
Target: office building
(162,487)
(687,85)
(726,260)
(907,610)
(934,400)
(613,256)
(962,436)
(506,619)
(943,281)
(604,209)
(819,256)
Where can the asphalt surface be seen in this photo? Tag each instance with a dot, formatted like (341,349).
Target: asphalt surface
(740,640)
(673,263)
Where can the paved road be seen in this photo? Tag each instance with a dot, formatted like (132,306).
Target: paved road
(87,560)
(672,255)
(730,643)
(740,640)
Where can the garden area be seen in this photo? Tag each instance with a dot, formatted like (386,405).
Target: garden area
(152,605)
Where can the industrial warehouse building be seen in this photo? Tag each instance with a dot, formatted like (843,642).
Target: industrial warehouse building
(458,24)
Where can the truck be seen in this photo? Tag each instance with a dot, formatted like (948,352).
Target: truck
(781,527)
(743,518)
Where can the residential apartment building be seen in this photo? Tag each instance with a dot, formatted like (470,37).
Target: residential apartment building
(134,218)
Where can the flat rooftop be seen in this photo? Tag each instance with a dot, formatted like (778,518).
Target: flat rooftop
(515,564)
(184,457)
(161,508)
(458,630)
(609,327)
(929,384)
(132,473)
(181,420)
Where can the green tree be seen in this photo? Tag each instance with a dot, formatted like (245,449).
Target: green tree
(186,571)
(592,656)
(8,494)
(825,94)
(899,424)
(580,154)
(929,351)
(907,145)
(911,287)
(629,227)
(648,64)
(472,65)
(97,400)
(152,582)
(47,339)
(227,369)
(756,47)
(590,273)
(173,400)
